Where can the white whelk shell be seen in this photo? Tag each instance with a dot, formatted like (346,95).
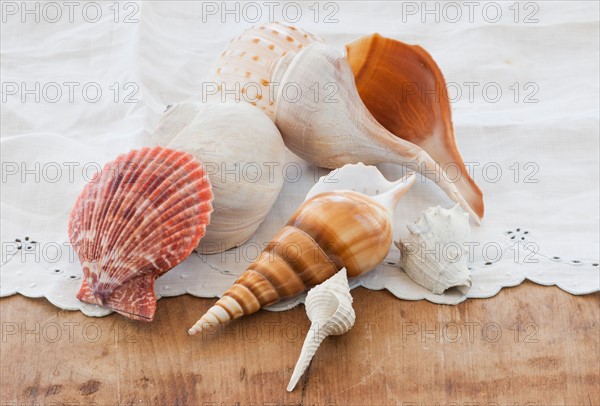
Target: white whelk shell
(434,254)
(235,142)
(329,308)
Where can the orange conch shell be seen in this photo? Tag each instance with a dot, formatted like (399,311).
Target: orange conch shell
(337,129)
(405,91)
(140,216)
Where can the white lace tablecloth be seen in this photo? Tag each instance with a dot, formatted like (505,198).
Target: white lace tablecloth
(525,90)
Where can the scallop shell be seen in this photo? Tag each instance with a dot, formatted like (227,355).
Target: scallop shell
(246,64)
(331,231)
(140,216)
(434,254)
(329,308)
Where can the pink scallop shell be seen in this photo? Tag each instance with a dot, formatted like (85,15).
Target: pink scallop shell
(140,216)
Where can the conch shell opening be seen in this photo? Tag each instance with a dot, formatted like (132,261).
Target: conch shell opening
(405,91)
(341,131)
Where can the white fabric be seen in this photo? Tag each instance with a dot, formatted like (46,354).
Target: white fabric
(164,56)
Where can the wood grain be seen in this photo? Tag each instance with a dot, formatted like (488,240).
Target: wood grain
(529,345)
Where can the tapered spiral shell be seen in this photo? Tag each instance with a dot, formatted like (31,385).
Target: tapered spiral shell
(330,231)
(329,308)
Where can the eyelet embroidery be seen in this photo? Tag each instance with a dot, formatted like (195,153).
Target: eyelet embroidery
(22,244)
(520,235)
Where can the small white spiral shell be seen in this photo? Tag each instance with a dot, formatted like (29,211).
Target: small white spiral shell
(434,254)
(329,308)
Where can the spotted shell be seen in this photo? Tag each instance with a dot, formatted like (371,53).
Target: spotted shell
(246,64)
(140,216)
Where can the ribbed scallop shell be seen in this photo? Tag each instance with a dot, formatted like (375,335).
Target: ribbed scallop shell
(434,254)
(249,59)
(331,231)
(329,308)
(140,216)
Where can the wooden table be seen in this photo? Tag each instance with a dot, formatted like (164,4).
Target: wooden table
(529,345)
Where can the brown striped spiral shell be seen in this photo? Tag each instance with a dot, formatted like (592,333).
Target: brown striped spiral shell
(331,231)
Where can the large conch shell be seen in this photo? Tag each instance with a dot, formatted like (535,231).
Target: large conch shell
(331,231)
(332,127)
(242,152)
(405,91)
(434,254)
(243,70)
(329,308)
(140,216)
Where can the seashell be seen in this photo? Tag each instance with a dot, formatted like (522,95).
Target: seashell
(366,179)
(140,216)
(333,127)
(329,308)
(434,254)
(405,91)
(244,68)
(331,231)
(240,148)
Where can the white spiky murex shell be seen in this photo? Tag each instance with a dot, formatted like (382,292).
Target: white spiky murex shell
(247,63)
(434,254)
(329,308)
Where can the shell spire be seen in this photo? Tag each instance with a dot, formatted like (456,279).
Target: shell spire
(329,308)
(328,232)
(140,216)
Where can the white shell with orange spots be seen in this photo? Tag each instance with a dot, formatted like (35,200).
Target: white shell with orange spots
(244,68)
